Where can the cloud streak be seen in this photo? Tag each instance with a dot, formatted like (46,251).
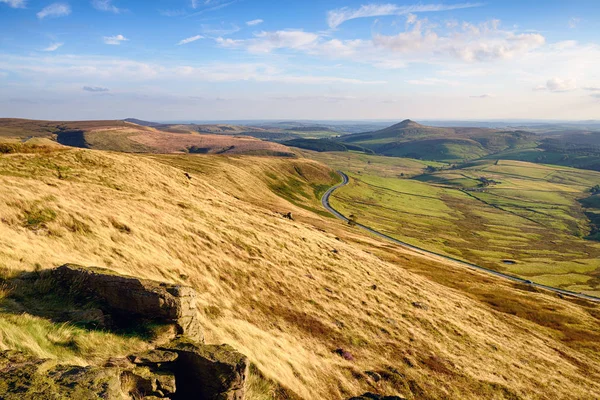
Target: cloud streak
(114,40)
(53,47)
(254,22)
(95,89)
(14,3)
(190,40)
(54,10)
(106,5)
(557,85)
(338,16)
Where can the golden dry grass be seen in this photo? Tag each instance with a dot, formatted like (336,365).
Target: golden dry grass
(277,291)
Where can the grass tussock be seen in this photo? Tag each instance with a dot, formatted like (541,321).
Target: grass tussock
(277,291)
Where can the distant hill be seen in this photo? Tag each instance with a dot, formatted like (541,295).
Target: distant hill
(411,139)
(135,138)
(141,122)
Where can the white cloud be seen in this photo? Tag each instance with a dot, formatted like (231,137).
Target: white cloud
(411,18)
(420,42)
(106,5)
(14,3)
(483,42)
(573,22)
(106,69)
(190,39)
(53,47)
(55,10)
(558,85)
(254,22)
(592,89)
(115,40)
(483,96)
(337,17)
(265,42)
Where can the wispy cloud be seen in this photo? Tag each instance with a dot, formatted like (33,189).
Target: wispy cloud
(557,85)
(592,89)
(254,22)
(106,5)
(53,47)
(14,3)
(573,22)
(55,10)
(265,42)
(221,30)
(115,40)
(338,16)
(190,39)
(482,96)
(95,89)
(110,70)
(210,8)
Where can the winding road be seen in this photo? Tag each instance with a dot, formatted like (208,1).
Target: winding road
(345,181)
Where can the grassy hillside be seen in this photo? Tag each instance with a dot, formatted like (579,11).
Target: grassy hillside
(275,289)
(511,216)
(410,139)
(325,145)
(132,138)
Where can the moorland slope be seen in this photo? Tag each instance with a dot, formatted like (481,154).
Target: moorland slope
(322,310)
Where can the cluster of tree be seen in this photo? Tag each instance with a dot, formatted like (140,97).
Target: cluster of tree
(485,182)
(595,189)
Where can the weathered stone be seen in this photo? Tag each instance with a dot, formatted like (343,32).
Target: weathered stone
(129,296)
(119,362)
(345,354)
(24,377)
(420,305)
(153,357)
(209,371)
(374,396)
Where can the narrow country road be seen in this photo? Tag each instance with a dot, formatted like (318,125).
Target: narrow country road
(345,180)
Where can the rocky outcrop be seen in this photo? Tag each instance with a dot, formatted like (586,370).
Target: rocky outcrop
(182,370)
(128,297)
(28,378)
(210,371)
(178,366)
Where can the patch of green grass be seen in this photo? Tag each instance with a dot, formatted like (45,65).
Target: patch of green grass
(531,215)
(38,217)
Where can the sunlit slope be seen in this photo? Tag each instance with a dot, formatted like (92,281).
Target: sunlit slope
(275,289)
(132,138)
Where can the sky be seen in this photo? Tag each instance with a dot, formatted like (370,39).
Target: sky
(171,60)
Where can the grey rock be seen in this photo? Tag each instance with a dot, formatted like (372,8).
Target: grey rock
(129,296)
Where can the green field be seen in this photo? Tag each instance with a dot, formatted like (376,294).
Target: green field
(528,221)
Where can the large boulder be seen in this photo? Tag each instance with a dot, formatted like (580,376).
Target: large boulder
(129,297)
(209,372)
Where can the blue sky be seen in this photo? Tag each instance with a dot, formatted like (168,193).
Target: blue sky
(249,59)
